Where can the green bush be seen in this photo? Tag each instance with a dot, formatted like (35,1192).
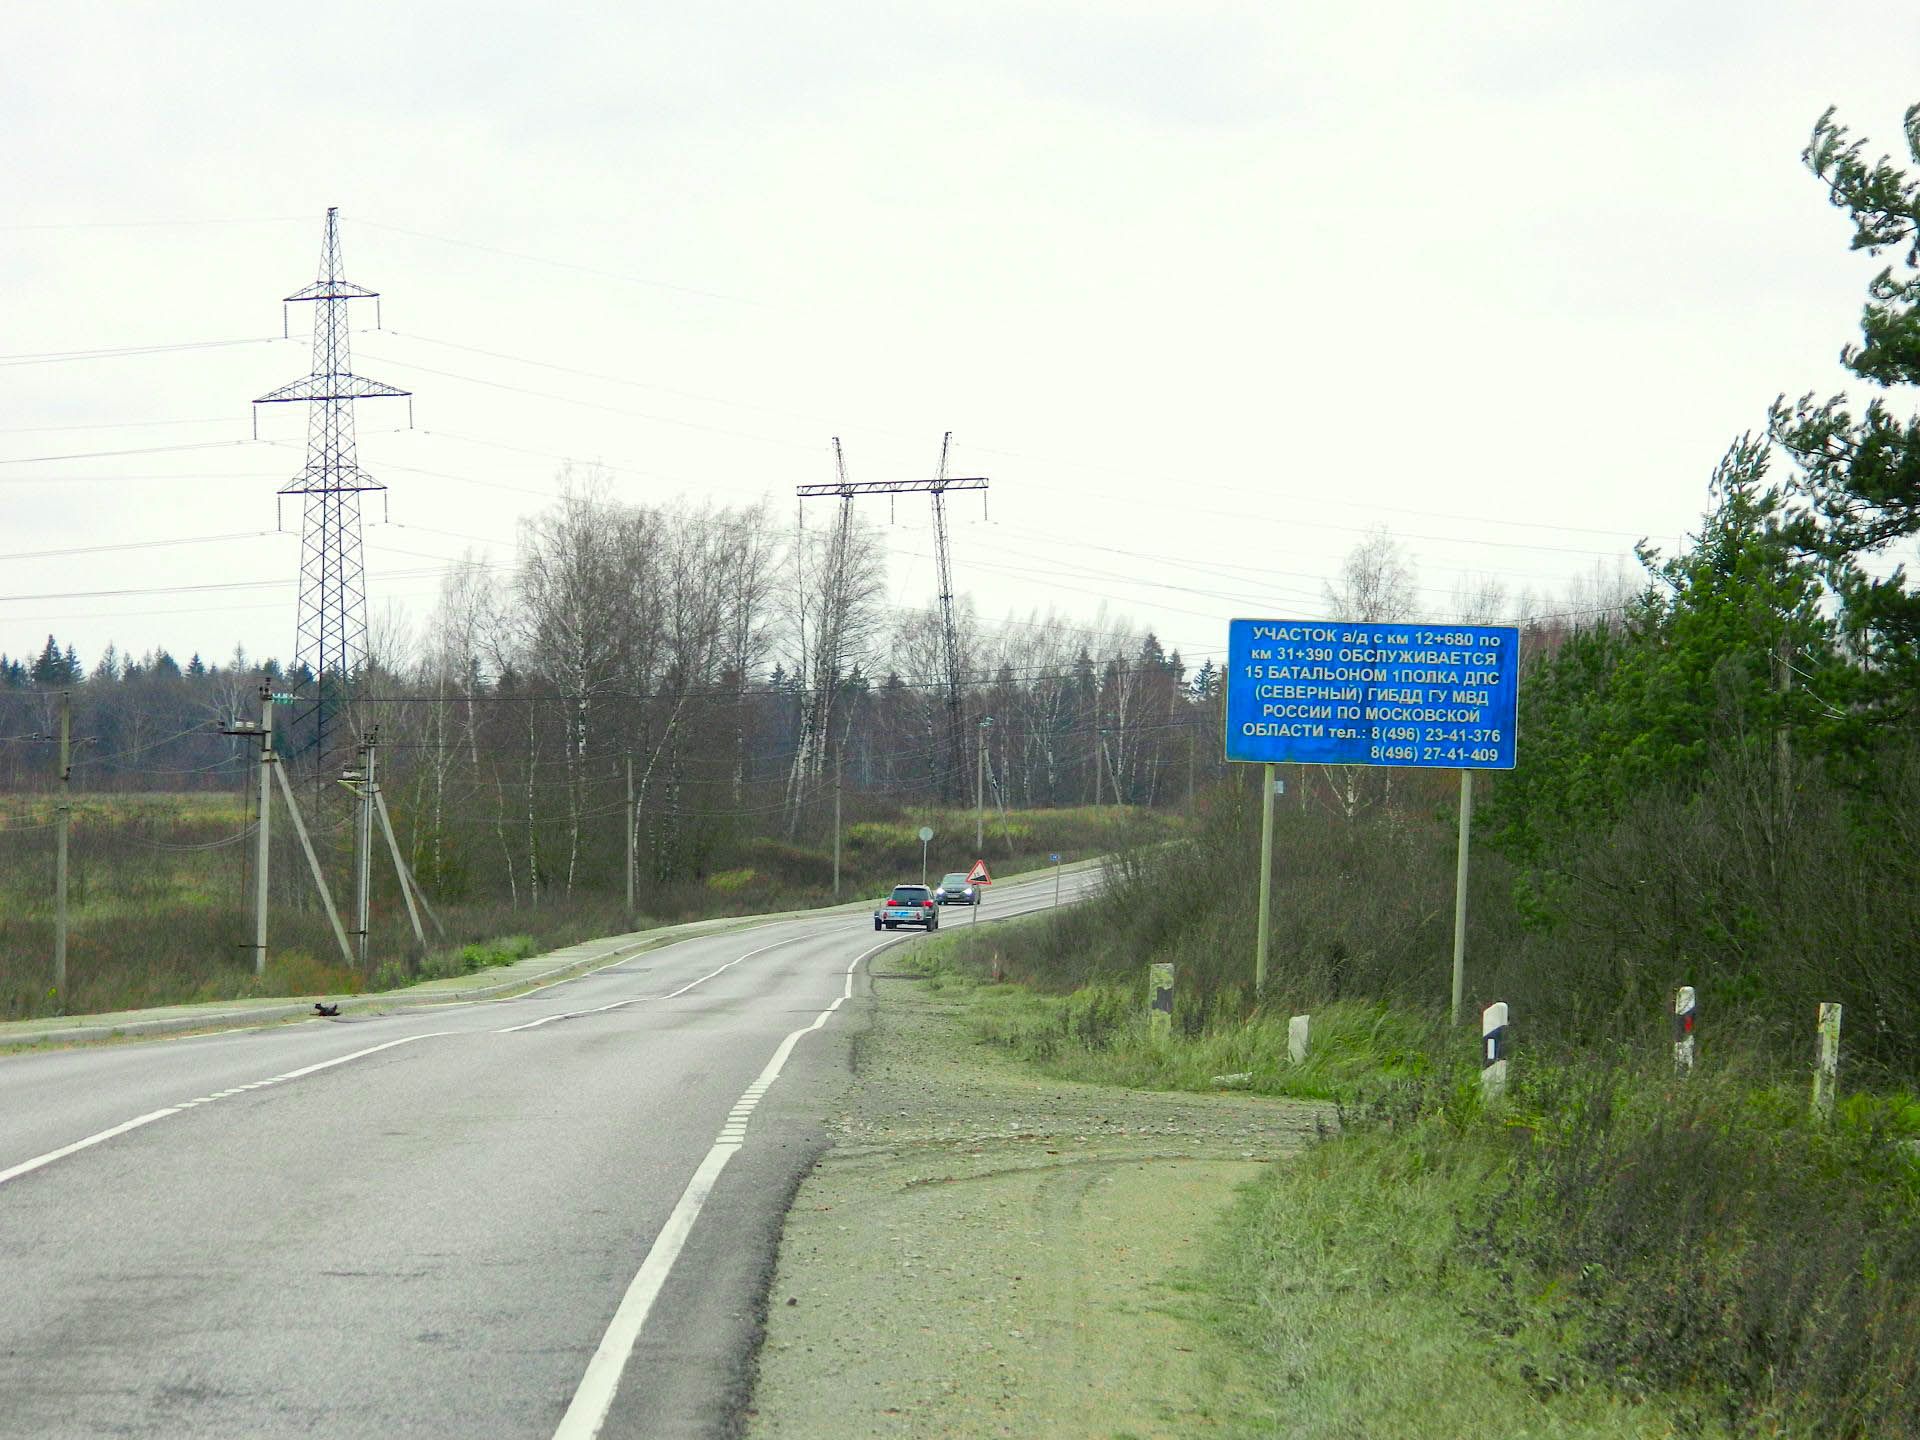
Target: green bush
(295,972)
(729,882)
(1683,1236)
(505,951)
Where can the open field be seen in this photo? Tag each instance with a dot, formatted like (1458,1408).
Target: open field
(160,885)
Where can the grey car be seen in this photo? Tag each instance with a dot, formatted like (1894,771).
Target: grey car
(907,905)
(956,889)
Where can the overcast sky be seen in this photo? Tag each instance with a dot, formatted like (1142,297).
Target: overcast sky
(1206,290)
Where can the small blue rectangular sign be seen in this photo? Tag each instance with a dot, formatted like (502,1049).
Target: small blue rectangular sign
(1333,692)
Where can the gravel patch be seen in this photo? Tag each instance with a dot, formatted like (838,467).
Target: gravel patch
(985,1251)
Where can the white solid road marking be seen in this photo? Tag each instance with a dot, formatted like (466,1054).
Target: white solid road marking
(28,1166)
(594,1397)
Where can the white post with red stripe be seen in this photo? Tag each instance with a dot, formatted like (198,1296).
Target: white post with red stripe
(1683,1031)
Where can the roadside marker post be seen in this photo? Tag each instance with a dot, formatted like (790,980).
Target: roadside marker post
(1493,1051)
(1335,692)
(1683,1030)
(1826,1070)
(1160,999)
(1055,858)
(1297,1034)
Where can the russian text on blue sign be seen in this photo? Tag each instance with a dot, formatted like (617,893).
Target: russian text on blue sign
(1329,692)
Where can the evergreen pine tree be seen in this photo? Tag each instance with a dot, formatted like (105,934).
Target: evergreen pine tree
(51,668)
(1860,474)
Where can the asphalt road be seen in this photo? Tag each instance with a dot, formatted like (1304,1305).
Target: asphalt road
(547,1216)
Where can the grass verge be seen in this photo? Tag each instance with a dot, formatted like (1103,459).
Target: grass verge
(1608,1251)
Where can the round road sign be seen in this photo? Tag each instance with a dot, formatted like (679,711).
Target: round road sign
(926,834)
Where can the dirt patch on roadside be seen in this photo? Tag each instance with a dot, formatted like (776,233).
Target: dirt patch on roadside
(989,1252)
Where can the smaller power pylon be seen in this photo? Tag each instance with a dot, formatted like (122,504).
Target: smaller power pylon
(937,487)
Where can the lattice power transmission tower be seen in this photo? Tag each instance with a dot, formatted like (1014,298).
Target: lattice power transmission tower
(938,487)
(332,635)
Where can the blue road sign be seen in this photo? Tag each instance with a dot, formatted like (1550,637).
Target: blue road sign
(1331,692)
(1053,859)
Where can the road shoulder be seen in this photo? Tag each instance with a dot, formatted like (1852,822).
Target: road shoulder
(987,1251)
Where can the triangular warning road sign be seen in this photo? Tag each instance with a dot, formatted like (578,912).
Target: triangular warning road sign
(978,875)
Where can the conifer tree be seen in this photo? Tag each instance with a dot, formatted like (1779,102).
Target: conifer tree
(1860,472)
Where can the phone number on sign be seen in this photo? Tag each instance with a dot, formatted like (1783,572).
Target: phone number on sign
(1433,754)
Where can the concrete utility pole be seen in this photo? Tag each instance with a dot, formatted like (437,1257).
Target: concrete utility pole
(839,776)
(1099,763)
(263,732)
(633,827)
(363,846)
(1190,770)
(313,862)
(980,788)
(63,821)
(263,838)
(400,870)
(409,886)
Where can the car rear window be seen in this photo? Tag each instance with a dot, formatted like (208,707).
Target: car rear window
(912,894)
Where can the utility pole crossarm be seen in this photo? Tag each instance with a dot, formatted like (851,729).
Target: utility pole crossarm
(891,487)
(333,387)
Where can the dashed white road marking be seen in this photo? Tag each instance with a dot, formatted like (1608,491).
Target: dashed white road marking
(598,1385)
(26,1167)
(637,999)
(732,1135)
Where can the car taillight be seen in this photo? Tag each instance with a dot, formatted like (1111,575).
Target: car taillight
(927,903)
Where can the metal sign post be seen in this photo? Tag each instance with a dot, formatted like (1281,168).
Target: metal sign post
(1460,895)
(1055,858)
(979,878)
(1333,692)
(926,838)
(1266,881)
